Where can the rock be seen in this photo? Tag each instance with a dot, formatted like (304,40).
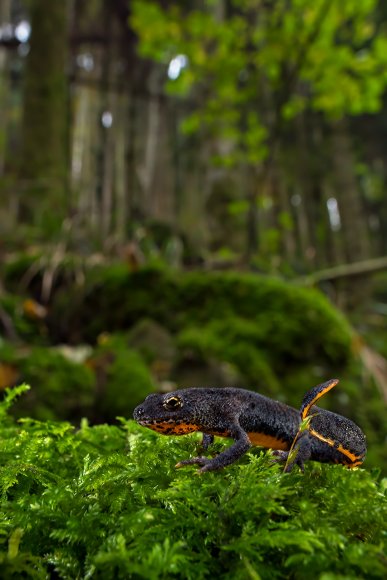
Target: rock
(192,371)
(153,341)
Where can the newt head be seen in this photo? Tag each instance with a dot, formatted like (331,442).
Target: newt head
(170,414)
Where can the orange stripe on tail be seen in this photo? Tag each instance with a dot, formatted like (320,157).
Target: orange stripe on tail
(314,395)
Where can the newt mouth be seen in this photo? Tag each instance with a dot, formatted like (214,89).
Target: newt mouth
(168,426)
(147,422)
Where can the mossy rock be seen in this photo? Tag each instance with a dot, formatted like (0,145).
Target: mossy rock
(293,322)
(193,370)
(153,340)
(266,328)
(290,322)
(252,365)
(63,389)
(111,382)
(123,379)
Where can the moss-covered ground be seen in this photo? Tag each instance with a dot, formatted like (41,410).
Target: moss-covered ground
(107,502)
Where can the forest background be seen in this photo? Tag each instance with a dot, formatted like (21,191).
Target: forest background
(241,136)
(208,138)
(192,193)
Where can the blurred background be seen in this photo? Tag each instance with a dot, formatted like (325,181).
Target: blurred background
(193,193)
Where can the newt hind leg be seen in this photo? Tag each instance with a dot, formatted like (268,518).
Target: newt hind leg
(298,454)
(300,450)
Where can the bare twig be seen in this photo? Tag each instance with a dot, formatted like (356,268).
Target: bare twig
(345,271)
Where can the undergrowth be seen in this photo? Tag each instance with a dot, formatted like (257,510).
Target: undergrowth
(107,502)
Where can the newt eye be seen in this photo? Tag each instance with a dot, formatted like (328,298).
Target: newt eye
(173,403)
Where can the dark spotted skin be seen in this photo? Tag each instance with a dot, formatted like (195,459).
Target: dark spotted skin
(253,419)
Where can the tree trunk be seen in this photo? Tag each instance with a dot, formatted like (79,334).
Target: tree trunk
(5,16)
(45,114)
(352,215)
(147,170)
(120,168)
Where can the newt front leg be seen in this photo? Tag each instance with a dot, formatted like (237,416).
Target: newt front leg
(239,448)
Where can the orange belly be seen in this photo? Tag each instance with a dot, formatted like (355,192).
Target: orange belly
(262,440)
(171,429)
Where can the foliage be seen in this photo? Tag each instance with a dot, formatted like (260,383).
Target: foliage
(256,57)
(107,502)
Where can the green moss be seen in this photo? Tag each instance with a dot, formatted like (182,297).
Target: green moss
(106,502)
